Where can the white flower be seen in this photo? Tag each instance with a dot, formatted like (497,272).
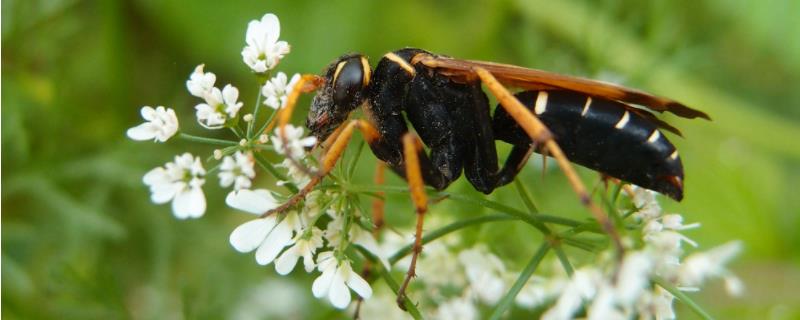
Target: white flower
(656,304)
(484,271)
(276,90)
(645,201)
(265,235)
(256,201)
(200,83)
(303,247)
(219,107)
(539,290)
(336,277)
(181,182)
(161,124)
(675,222)
(263,50)
(457,308)
(237,171)
(295,142)
(633,277)
(700,266)
(582,287)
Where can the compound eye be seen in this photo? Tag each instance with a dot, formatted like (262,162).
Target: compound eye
(350,78)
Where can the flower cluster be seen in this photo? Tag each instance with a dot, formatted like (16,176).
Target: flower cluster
(319,230)
(284,241)
(458,284)
(611,290)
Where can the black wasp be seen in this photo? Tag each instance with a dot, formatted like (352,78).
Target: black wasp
(572,119)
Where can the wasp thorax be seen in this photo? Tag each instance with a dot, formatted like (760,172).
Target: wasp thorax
(346,81)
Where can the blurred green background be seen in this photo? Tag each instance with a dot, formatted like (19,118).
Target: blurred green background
(82,241)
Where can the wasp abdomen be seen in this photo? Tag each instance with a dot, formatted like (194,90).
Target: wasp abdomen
(603,135)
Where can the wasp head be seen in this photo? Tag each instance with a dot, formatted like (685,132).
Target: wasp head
(346,81)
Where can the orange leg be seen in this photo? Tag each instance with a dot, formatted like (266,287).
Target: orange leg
(330,158)
(411,146)
(378,204)
(542,136)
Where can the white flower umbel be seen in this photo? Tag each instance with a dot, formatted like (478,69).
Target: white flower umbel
(630,290)
(335,279)
(180,182)
(161,124)
(237,170)
(276,90)
(263,50)
(200,83)
(220,106)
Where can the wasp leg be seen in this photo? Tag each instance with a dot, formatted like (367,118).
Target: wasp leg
(307,83)
(539,133)
(330,158)
(378,203)
(412,147)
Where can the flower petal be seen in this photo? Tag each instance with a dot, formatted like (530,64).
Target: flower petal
(248,236)
(252,201)
(272,27)
(142,132)
(339,295)
(278,238)
(322,284)
(359,285)
(189,203)
(286,262)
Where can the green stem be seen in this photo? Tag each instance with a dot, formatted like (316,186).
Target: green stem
(264,164)
(255,112)
(682,297)
(505,303)
(266,123)
(212,141)
(562,257)
(485,203)
(526,197)
(438,233)
(411,307)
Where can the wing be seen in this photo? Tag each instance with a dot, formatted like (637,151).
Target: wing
(533,79)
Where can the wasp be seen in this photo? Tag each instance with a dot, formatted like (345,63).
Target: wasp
(591,123)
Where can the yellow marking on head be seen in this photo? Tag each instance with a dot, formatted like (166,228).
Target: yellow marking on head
(586,106)
(541,103)
(623,121)
(674,155)
(367,71)
(403,64)
(654,136)
(338,69)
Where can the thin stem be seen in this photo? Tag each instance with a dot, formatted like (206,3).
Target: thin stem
(266,123)
(255,112)
(212,141)
(264,164)
(411,307)
(505,303)
(562,257)
(683,297)
(236,131)
(544,218)
(526,197)
(438,233)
